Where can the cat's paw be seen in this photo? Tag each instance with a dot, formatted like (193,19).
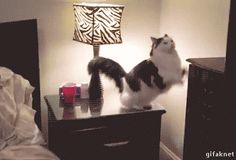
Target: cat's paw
(130,109)
(138,108)
(184,72)
(147,107)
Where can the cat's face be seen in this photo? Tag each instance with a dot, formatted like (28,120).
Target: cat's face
(164,44)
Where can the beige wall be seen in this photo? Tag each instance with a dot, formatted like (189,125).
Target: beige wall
(199,28)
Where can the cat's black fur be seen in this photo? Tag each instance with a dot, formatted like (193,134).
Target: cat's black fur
(155,44)
(109,67)
(143,71)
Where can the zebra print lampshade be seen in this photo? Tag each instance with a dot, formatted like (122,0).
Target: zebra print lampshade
(97,24)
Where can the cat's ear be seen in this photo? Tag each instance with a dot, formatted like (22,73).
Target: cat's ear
(156,42)
(166,35)
(153,40)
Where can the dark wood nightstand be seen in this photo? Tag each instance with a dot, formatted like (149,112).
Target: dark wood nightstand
(95,130)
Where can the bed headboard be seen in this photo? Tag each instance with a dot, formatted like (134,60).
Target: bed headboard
(19,52)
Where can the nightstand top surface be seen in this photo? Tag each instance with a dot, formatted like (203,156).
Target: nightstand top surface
(84,109)
(216,64)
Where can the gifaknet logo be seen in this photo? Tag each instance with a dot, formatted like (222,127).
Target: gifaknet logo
(219,155)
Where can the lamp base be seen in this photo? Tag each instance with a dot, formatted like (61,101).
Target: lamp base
(95,87)
(96,49)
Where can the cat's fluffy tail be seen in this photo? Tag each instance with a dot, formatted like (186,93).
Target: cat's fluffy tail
(108,67)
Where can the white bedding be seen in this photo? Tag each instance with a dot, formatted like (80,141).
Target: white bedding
(20,137)
(26,152)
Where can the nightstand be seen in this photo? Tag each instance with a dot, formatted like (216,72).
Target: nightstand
(98,130)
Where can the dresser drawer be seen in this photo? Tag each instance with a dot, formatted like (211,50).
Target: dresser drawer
(200,78)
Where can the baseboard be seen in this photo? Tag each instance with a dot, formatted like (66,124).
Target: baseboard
(171,155)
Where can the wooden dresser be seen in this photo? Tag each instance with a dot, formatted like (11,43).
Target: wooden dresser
(204,125)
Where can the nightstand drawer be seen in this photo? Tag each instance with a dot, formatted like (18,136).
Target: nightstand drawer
(103,139)
(95,134)
(107,144)
(114,139)
(115,131)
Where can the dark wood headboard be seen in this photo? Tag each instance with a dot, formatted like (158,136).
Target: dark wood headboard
(19,52)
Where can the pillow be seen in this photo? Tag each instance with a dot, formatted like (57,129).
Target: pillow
(26,152)
(7,132)
(5,75)
(26,129)
(16,109)
(22,90)
(7,102)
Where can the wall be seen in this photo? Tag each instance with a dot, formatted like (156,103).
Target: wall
(199,28)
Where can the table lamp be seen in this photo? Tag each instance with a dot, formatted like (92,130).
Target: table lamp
(97,24)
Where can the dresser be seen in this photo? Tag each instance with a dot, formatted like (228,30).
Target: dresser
(98,130)
(205,107)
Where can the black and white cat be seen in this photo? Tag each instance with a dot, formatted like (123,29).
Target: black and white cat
(146,80)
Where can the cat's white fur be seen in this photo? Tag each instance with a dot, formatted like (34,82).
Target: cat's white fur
(131,99)
(166,59)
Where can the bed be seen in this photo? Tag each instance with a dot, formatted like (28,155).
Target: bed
(20,123)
